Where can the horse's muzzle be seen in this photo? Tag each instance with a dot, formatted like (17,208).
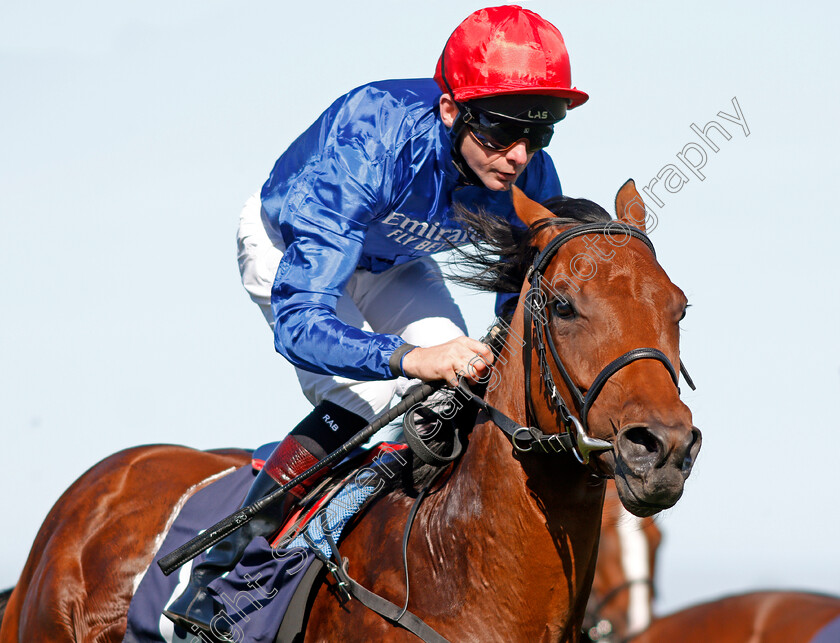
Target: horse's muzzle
(652,463)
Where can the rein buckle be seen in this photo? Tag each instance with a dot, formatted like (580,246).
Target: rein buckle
(516,446)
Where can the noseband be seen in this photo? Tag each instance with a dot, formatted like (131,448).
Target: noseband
(574,432)
(537,337)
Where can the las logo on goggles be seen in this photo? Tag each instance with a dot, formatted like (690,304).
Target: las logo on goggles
(501,135)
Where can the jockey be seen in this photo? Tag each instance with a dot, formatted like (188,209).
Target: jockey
(335,248)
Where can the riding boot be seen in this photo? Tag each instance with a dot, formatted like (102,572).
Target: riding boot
(322,431)
(195,607)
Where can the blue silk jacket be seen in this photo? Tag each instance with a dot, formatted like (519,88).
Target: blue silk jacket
(369,185)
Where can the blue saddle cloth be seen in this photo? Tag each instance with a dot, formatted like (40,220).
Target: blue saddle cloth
(829,634)
(255,594)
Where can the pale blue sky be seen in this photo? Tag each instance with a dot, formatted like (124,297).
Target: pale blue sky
(132,133)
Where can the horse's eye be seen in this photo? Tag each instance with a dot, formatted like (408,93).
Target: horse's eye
(685,310)
(563,309)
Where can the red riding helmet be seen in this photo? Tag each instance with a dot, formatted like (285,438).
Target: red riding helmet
(506,50)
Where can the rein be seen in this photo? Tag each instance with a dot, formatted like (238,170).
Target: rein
(573,437)
(574,434)
(615,591)
(348,588)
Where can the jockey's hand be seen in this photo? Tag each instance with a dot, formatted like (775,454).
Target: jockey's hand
(460,356)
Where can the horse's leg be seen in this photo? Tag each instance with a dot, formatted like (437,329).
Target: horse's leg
(97,541)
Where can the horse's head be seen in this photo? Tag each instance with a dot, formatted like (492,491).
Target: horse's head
(601,322)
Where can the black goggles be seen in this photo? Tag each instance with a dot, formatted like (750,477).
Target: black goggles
(500,135)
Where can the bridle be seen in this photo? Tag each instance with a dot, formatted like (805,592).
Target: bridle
(596,628)
(574,434)
(523,439)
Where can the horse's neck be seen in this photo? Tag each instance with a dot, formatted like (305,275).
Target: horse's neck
(533,524)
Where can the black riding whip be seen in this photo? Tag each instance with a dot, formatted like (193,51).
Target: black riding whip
(226,526)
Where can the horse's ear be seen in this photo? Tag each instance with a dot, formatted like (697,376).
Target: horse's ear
(530,212)
(629,206)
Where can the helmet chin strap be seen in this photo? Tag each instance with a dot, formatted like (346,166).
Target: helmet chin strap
(468,175)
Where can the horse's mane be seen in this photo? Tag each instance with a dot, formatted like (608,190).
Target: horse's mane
(501,254)
(498,261)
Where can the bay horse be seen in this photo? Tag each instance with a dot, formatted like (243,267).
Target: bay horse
(504,549)
(755,617)
(621,600)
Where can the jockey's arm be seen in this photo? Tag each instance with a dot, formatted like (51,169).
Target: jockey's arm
(327,237)
(459,356)
(329,205)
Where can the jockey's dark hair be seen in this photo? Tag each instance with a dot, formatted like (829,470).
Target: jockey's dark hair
(501,254)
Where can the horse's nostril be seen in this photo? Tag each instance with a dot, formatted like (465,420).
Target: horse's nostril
(642,438)
(692,447)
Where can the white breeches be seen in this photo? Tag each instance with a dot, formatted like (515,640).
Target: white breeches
(410,300)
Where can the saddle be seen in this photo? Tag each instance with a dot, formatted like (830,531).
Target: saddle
(272,583)
(342,494)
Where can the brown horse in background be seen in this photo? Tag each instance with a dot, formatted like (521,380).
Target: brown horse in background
(758,617)
(626,563)
(503,549)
